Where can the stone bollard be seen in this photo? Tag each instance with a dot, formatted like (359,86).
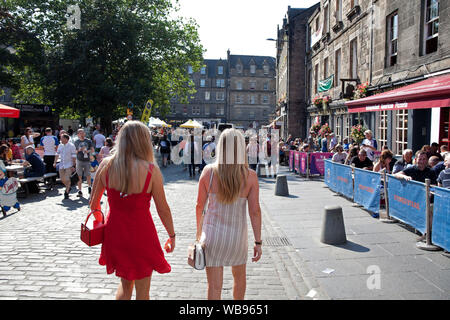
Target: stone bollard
(333,229)
(281,186)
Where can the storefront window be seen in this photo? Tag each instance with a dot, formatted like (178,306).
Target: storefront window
(382,128)
(401,130)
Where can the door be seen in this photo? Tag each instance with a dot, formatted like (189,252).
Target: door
(444,135)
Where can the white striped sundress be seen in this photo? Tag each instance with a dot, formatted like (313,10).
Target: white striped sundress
(224,233)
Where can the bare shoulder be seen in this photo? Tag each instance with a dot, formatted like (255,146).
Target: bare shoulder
(252,176)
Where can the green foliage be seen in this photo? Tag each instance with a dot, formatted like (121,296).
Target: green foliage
(125,50)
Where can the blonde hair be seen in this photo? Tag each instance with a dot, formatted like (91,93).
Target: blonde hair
(231,166)
(133,144)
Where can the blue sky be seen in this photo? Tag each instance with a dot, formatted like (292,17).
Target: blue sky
(239,25)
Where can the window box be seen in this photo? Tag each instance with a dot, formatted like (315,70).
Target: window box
(326,37)
(338,26)
(356,10)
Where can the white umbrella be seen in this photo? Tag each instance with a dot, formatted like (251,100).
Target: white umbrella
(158,123)
(191,124)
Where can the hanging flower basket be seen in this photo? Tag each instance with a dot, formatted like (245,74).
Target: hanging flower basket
(325,129)
(361,90)
(357,133)
(317,101)
(315,128)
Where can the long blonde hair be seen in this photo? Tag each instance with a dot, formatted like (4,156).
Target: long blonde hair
(231,165)
(133,144)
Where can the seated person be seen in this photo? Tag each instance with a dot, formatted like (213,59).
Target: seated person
(418,172)
(384,162)
(37,168)
(404,162)
(340,155)
(444,177)
(362,161)
(436,165)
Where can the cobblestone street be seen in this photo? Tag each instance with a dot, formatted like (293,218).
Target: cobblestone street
(42,256)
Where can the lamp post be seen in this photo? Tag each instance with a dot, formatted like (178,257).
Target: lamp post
(286,118)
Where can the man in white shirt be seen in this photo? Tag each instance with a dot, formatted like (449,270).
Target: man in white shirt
(99,140)
(68,153)
(50,143)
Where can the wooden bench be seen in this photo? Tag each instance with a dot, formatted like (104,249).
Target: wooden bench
(46,179)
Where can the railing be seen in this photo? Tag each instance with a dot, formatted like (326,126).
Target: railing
(416,204)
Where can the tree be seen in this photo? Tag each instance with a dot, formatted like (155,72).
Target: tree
(125,50)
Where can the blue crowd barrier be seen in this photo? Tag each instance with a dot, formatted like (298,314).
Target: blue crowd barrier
(440,234)
(407,202)
(367,189)
(329,174)
(343,179)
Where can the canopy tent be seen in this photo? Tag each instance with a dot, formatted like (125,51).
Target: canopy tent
(191,124)
(430,93)
(8,112)
(119,121)
(158,123)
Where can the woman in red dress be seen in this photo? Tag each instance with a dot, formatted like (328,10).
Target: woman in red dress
(131,247)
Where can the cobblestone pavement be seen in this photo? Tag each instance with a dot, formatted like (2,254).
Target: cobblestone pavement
(42,256)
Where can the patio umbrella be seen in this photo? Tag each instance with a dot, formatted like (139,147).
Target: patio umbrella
(158,123)
(191,124)
(8,112)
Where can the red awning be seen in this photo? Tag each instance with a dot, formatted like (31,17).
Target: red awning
(8,112)
(430,93)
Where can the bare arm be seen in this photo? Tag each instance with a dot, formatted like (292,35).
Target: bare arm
(157,189)
(97,190)
(402,175)
(203,184)
(254,210)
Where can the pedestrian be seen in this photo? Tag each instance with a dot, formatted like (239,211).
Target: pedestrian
(70,131)
(131,247)
(68,155)
(99,140)
(50,144)
(369,145)
(105,150)
(346,145)
(28,138)
(84,148)
(434,151)
(444,177)
(224,229)
(333,142)
(353,153)
(325,142)
(15,149)
(253,152)
(190,150)
(164,149)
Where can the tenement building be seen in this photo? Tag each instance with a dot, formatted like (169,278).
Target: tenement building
(239,89)
(290,83)
(384,64)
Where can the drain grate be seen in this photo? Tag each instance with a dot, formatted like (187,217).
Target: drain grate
(276,242)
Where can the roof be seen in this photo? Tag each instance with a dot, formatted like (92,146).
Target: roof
(258,60)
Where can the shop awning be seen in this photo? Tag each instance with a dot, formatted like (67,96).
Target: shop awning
(8,112)
(430,93)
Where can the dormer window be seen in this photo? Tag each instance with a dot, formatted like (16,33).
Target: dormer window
(220,70)
(239,68)
(252,69)
(266,69)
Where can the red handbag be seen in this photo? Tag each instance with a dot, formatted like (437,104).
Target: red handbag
(94,236)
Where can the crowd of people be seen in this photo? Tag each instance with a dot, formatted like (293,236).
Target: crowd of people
(69,154)
(430,162)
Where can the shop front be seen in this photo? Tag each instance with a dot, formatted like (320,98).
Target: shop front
(36,116)
(410,116)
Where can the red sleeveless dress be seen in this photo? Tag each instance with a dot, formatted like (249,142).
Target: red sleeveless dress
(131,246)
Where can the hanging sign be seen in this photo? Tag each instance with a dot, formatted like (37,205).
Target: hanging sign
(147,111)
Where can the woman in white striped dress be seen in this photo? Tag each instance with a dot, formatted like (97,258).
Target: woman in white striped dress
(224,229)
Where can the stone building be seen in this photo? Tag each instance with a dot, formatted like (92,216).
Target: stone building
(251,91)
(208,105)
(290,82)
(239,89)
(386,45)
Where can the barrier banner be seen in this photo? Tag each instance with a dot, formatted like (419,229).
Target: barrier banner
(291,160)
(440,232)
(296,161)
(329,174)
(367,189)
(407,202)
(303,156)
(316,165)
(342,174)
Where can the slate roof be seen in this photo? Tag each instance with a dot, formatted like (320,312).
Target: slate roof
(258,60)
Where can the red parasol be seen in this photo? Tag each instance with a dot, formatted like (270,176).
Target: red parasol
(8,112)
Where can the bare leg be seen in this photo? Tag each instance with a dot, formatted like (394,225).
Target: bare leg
(125,290)
(240,281)
(143,288)
(215,282)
